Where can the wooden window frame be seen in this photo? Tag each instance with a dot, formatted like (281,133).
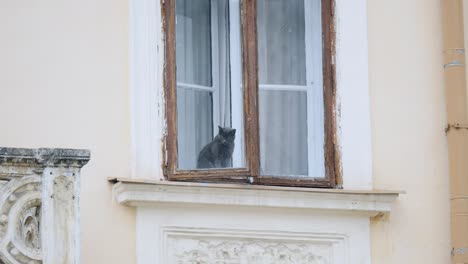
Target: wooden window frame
(251,174)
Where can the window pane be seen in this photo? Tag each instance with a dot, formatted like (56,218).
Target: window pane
(281,38)
(291,92)
(209,84)
(193,34)
(283,122)
(194,114)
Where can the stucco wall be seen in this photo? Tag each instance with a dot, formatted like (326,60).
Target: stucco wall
(465,14)
(408,120)
(64,83)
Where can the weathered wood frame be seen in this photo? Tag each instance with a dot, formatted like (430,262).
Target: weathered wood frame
(250,96)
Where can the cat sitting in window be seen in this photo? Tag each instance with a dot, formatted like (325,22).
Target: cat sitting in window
(218,153)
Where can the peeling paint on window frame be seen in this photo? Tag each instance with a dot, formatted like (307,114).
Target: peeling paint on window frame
(251,174)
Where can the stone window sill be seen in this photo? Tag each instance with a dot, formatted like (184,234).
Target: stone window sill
(133,192)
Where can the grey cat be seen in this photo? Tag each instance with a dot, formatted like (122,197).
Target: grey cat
(218,153)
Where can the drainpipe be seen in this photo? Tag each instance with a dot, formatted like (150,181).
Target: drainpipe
(457,128)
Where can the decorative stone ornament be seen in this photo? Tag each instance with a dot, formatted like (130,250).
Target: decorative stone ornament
(39,205)
(242,250)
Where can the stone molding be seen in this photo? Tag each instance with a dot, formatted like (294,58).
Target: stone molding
(39,205)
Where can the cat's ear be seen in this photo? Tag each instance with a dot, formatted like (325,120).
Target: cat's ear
(233,132)
(220,129)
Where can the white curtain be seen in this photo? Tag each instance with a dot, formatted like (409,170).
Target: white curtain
(286,82)
(281,42)
(223,60)
(203,75)
(193,41)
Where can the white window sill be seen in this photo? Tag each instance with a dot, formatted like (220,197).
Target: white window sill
(134,192)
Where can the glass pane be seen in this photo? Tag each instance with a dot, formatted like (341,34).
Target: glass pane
(209,85)
(291,91)
(281,57)
(283,123)
(194,114)
(193,34)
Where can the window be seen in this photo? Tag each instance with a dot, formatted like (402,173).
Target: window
(250,91)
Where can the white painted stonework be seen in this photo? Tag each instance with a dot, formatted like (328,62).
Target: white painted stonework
(39,205)
(191,223)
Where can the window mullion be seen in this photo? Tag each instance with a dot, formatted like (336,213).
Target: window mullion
(284,87)
(250,84)
(194,87)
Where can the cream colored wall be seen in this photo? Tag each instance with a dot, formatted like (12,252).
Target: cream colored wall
(63,83)
(408,120)
(465,17)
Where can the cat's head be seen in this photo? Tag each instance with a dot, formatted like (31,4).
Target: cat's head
(226,135)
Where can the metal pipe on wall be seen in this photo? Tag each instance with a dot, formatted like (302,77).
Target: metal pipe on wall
(457,128)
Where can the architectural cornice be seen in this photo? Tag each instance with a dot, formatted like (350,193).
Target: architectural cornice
(19,162)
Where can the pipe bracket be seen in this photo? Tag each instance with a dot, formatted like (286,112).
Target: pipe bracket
(455,126)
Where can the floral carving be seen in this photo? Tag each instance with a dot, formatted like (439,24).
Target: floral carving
(247,251)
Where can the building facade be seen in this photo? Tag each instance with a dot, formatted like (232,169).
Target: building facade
(89,75)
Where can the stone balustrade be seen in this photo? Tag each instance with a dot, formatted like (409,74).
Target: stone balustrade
(39,205)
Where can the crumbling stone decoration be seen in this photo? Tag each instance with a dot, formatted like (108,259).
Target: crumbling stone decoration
(39,205)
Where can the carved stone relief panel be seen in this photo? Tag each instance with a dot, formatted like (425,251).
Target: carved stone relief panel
(239,247)
(20,214)
(39,205)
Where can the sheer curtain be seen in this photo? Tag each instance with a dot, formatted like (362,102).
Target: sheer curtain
(194,78)
(288,88)
(223,50)
(203,75)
